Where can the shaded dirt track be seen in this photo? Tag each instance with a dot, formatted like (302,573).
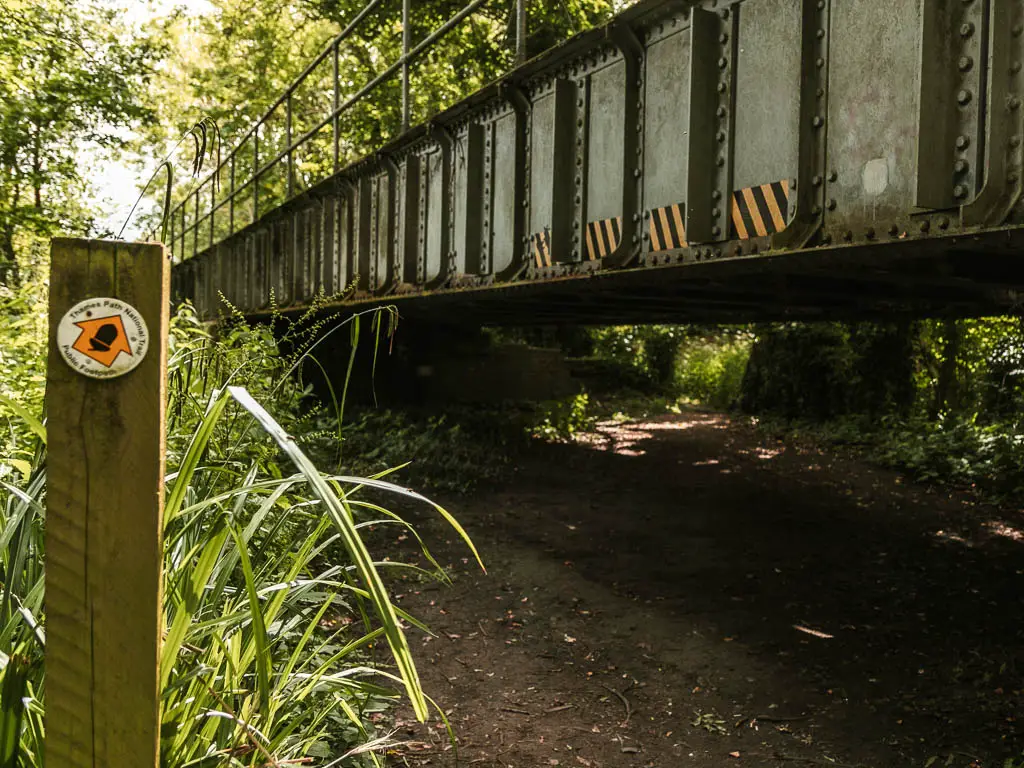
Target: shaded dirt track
(683,593)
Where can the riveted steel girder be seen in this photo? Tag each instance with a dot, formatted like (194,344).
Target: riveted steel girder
(685,135)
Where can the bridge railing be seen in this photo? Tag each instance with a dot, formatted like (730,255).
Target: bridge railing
(677,133)
(299,139)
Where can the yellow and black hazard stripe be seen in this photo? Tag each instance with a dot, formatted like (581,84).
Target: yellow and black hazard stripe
(540,245)
(666,227)
(761,210)
(603,237)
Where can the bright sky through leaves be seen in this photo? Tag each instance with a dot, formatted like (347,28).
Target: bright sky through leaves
(117,184)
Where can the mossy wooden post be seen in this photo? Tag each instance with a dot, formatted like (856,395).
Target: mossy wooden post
(104,511)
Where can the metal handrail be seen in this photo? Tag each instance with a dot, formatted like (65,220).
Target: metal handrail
(410,54)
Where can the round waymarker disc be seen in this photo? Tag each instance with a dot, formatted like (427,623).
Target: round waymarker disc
(103,338)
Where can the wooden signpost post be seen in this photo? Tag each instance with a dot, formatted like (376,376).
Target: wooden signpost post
(105,402)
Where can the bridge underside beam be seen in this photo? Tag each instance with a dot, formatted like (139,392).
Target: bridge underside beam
(960,276)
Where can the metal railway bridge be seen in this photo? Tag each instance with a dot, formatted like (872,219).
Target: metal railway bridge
(702,160)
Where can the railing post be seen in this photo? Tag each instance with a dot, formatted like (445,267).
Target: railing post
(213,205)
(195,226)
(337,117)
(520,32)
(231,198)
(256,173)
(288,139)
(406,46)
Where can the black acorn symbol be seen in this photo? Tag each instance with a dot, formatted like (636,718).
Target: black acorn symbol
(103,338)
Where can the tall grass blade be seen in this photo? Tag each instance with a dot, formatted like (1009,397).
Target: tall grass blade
(353,543)
(12,709)
(190,461)
(353,346)
(411,494)
(34,424)
(259,628)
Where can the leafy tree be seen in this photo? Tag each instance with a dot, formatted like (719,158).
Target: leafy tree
(69,79)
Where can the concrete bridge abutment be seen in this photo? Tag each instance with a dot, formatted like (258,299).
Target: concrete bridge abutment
(423,363)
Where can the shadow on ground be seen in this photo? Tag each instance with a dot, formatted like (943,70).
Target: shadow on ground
(681,592)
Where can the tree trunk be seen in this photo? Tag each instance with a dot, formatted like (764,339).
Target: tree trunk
(37,171)
(9,273)
(946,387)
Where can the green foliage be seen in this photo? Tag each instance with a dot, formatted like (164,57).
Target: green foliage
(201,362)
(561,420)
(23,318)
(647,352)
(958,451)
(453,450)
(1002,383)
(23,364)
(13,693)
(940,400)
(274,605)
(711,368)
(824,370)
(69,76)
(954,450)
(698,364)
(808,372)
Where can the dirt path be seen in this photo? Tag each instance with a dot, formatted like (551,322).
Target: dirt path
(681,593)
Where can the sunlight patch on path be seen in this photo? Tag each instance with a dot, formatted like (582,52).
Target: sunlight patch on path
(622,438)
(997,528)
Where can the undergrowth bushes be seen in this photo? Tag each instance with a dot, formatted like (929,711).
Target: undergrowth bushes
(451,450)
(941,400)
(561,420)
(825,370)
(23,318)
(282,641)
(960,452)
(649,352)
(701,365)
(952,450)
(710,368)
